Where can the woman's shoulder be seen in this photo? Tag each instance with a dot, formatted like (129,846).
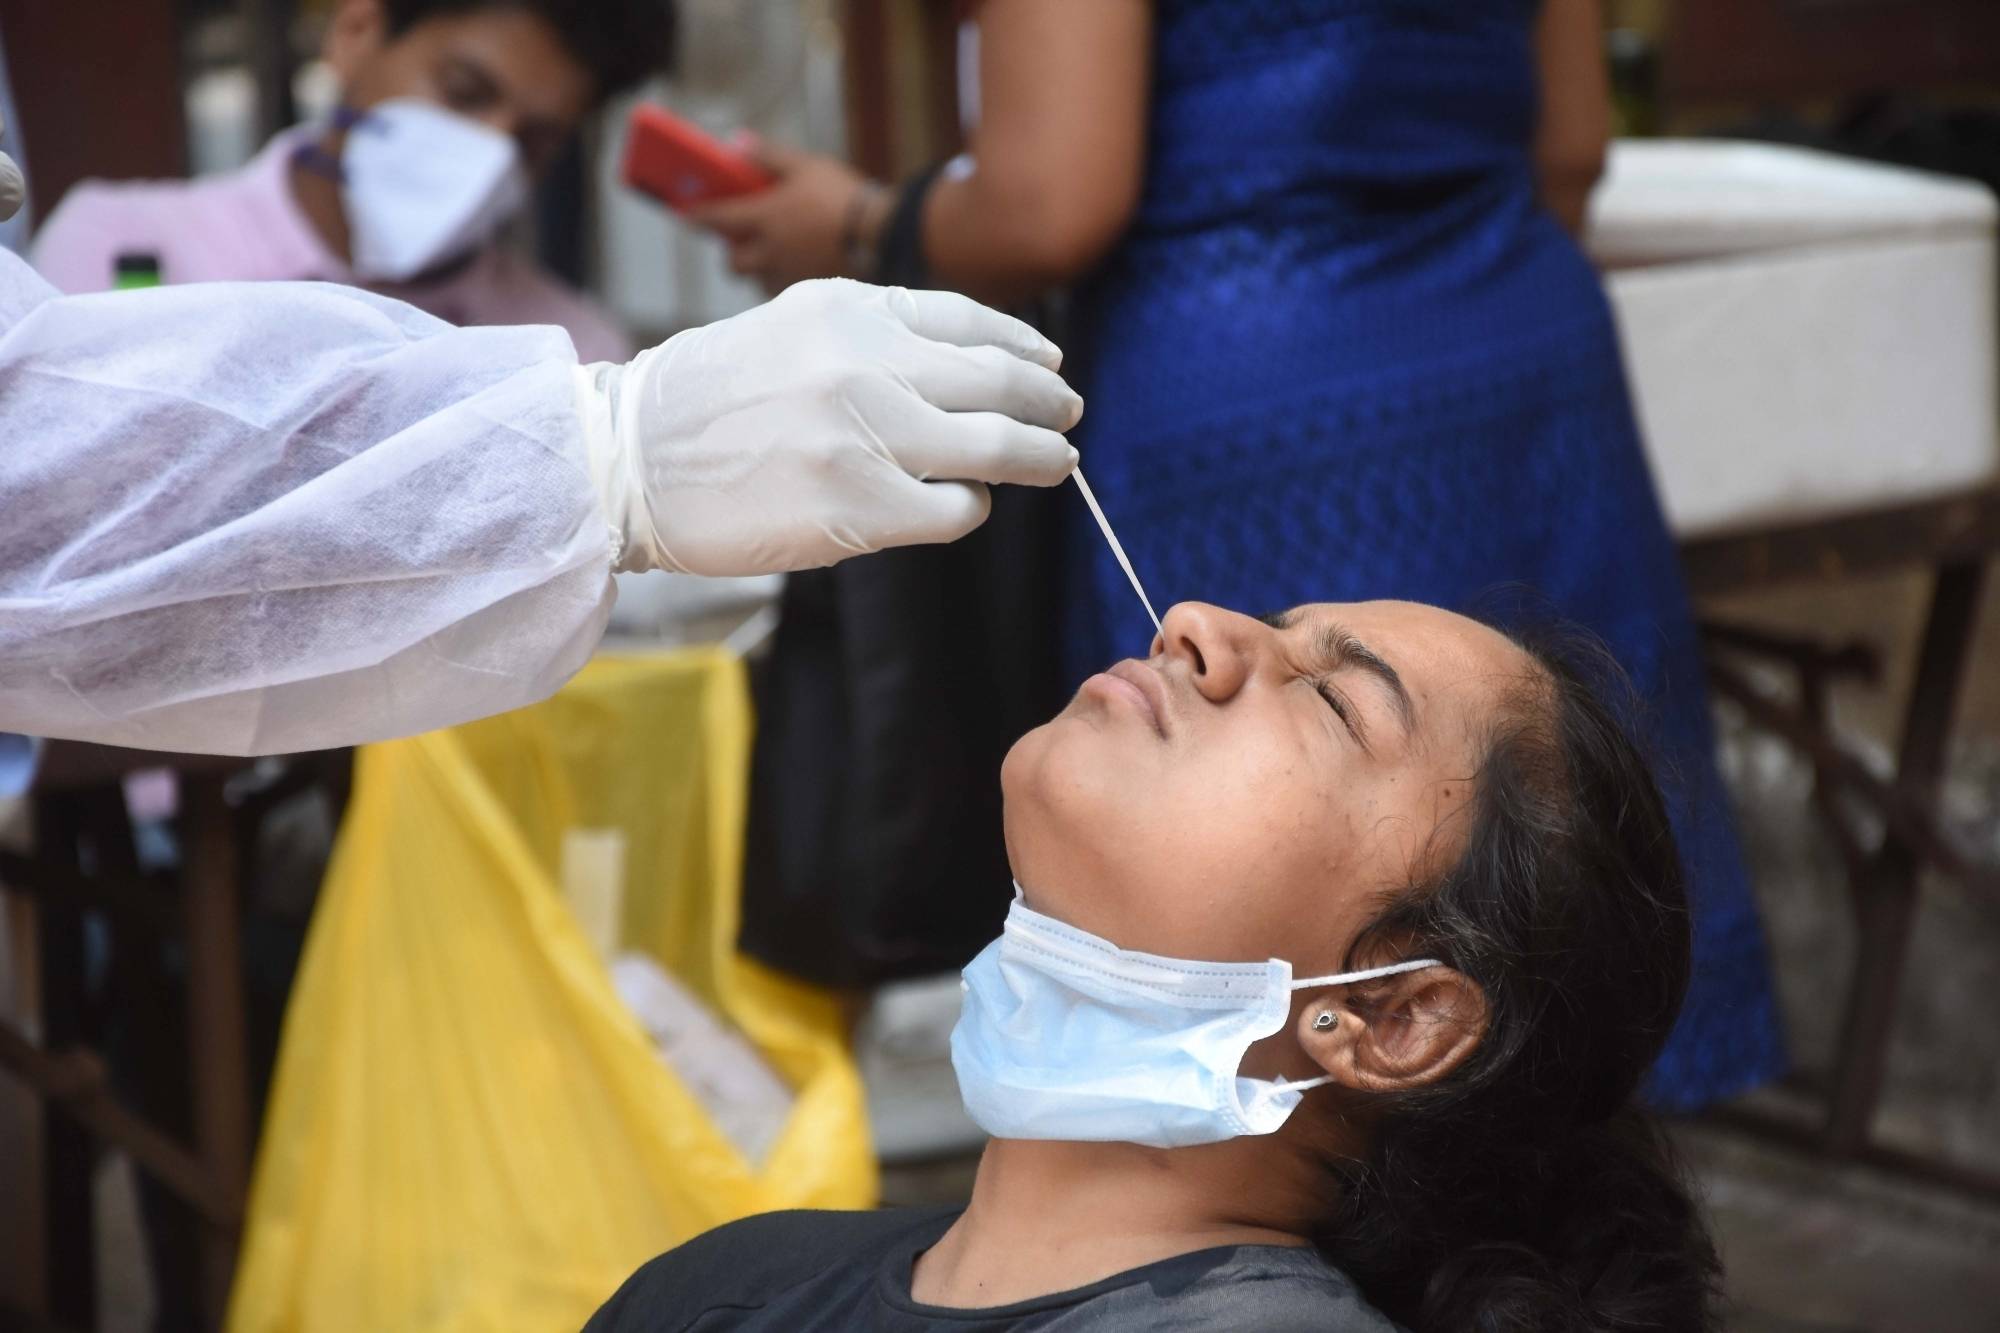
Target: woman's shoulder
(825,1232)
(759,1256)
(1274,1289)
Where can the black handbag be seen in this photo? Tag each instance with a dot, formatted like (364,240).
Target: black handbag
(895,686)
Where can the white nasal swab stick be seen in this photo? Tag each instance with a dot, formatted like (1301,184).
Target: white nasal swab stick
(1105,524)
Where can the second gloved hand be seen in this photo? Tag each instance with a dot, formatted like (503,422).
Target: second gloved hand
(836,420)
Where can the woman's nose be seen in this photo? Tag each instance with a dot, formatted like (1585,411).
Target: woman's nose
(1218,647)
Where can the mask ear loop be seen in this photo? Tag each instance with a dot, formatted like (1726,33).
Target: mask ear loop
(1282,1084)
(309,156)
(1371,974)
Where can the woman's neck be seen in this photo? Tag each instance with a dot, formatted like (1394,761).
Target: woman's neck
(1048,1217)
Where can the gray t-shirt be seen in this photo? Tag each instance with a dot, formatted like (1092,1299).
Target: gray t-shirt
(807,1272)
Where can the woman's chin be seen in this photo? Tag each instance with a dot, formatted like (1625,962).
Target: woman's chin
(1064,787)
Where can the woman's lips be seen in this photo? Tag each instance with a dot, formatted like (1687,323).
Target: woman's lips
(1139,685)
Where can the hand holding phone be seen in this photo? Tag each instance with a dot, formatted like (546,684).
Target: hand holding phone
(682,165)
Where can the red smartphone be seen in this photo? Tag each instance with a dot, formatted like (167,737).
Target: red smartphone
(680,164)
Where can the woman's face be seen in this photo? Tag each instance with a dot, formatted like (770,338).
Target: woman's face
(1253,788)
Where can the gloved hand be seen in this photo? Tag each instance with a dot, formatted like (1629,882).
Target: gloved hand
(835,420)
(13,185)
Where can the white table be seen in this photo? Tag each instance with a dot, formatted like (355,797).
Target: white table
(1812,347)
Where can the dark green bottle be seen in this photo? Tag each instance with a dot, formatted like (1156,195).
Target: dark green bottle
(136,272)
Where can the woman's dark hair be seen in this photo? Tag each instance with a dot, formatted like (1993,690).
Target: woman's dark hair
(620,42)
(1525,1192)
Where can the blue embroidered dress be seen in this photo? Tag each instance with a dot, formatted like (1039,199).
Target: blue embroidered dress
(1344,355)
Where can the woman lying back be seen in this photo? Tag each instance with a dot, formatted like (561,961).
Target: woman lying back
(1441,934)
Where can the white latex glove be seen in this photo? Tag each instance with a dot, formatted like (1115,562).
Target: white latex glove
(835,420)
(13,185)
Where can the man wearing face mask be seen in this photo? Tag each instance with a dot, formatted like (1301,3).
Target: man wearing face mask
(450,111)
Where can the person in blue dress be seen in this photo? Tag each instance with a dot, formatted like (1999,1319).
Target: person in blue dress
(1337,340)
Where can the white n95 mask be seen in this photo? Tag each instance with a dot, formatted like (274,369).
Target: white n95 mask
(422,186)
(1063,1035)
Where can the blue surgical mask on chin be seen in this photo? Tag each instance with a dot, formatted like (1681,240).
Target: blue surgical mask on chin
(1063,1035)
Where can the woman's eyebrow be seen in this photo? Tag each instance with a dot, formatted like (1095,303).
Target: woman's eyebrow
(1339,650)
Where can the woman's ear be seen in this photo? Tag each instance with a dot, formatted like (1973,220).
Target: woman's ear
(1396,1034)
(354,36)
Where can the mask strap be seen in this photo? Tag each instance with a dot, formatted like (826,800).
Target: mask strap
(1348,978)
(311,157)
(1342,979)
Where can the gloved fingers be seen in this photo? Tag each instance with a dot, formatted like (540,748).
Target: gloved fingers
(987,379)
(940,511)
(947,317)
(980,446)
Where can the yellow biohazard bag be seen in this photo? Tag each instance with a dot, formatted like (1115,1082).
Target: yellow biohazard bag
(468,1128)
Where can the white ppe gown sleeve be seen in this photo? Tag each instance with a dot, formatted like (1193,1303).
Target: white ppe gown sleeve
(258,519)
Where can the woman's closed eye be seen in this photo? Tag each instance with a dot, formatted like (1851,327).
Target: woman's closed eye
(1342,708)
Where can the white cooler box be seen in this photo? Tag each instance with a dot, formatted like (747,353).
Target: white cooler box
(1807,335)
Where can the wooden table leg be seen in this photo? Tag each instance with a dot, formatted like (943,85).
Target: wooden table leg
(216,1020)
(69,1237)
(1888,889)
(23,1264)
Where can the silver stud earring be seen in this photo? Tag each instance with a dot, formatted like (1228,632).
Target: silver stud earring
(1325,1021)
